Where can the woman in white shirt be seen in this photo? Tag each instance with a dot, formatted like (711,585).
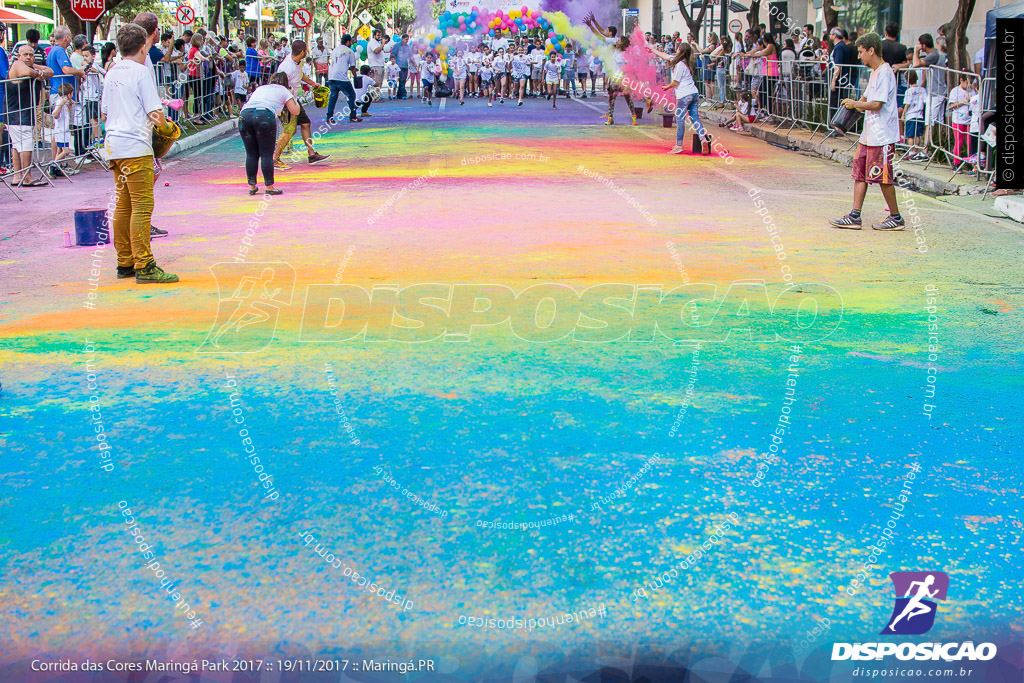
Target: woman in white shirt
(687,96)
(257,125)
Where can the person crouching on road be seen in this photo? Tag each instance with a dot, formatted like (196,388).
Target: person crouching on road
(132,107)
(257,125)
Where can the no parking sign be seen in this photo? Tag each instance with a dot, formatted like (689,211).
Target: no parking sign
(302,17)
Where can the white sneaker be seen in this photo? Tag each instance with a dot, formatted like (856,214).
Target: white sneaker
(676,149)
(490,104)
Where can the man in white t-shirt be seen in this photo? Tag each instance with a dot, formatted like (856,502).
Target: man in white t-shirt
(339,79)
(321,58)
(877,147)
(376,55)
(499,41)
(291,66)
(132,108)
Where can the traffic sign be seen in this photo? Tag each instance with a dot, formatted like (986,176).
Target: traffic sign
(335,7)
(365,32)
(735,25)
(87,10)
(185,14)
(302,17)
(365,17)
(630,12)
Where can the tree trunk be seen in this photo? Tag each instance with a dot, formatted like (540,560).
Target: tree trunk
(656,17)
(831,15)
(693,23)
(957,56)
(215,23)
(754,13)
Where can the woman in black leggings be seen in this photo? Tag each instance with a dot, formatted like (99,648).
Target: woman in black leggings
(258,127)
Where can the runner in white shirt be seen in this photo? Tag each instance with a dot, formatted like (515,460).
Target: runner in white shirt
(292,68)
(552,74)
(339,79)
(877,147)
(520,73)
(459,70)
(473,58)
(427,76)
(500,76)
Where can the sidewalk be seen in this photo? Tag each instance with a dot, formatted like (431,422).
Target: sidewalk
(936,179)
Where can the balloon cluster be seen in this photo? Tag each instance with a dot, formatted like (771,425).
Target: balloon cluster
(478,20)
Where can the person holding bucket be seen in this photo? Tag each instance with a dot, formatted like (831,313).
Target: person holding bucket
(133,112)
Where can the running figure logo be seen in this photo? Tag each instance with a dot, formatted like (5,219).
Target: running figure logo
(914,612)
(251,296)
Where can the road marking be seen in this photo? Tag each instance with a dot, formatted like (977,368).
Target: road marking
(203,148)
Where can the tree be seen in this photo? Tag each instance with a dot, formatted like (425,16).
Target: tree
(694,23)
(753,14)
(124,9)
(828,8)
(957,56)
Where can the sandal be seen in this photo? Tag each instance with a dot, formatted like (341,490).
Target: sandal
(35,182)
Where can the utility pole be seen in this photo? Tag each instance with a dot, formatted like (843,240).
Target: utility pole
(723,27)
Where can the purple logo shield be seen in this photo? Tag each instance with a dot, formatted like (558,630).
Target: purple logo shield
(916,596)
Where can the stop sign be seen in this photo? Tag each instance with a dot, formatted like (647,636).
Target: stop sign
(87,10)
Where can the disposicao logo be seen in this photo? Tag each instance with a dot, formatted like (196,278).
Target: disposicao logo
(913,614)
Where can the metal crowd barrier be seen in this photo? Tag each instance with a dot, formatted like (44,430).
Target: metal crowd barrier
(41,132)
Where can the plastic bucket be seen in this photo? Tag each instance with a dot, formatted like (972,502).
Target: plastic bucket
(91,227)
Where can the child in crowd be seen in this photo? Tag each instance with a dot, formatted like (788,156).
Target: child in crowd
(415,84)
(499,64)
(61,146)
(744,113)
(92,87)
(487,80)
(239,84)
(427,76)
(596,69)
(552,72)
(914,101)
(976,159)
(392,73)
(460,71)
(582,69)
(960,116)
(520,73)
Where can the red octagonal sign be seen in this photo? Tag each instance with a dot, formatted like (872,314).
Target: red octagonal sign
(87,10)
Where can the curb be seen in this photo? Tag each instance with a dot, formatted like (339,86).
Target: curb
(202,137)
(916,180)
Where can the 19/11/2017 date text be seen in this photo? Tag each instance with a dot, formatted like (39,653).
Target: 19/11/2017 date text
(375,665)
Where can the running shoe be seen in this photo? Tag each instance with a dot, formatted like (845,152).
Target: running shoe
(847,222)
(520,103)
(355,120)
(156,232)
(125,272)
(609,122)
(502,100)
(489,103)
(634,119)
(281,166)
(154,274)
(317,158)
(891,224)
(554,106)
(676,149)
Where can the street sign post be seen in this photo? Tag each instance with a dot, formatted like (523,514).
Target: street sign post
(185,14)
(87,10)
(365,32)
(302,17)
(365,17)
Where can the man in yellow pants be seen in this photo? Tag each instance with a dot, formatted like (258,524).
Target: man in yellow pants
(132,107)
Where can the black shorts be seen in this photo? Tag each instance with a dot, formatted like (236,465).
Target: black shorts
(92,110)
(303,118)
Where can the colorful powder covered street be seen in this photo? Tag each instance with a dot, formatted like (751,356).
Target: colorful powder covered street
(503,477)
